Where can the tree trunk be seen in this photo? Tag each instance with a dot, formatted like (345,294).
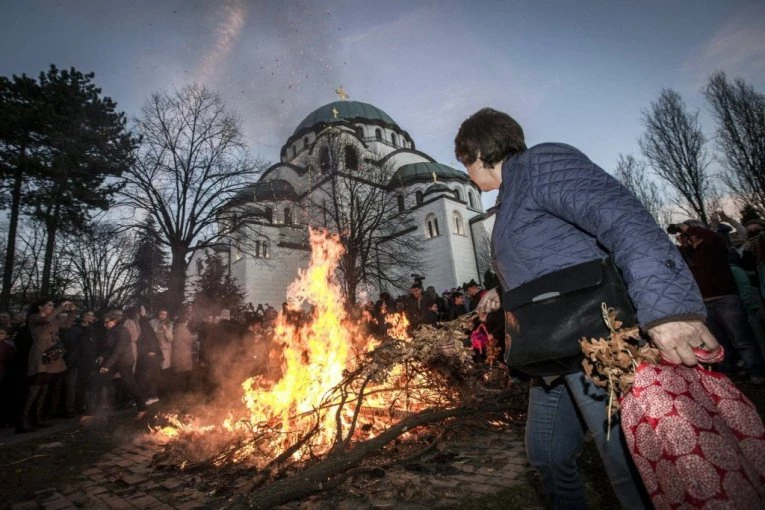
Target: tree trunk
(177,285)
(51,229)
(10,254)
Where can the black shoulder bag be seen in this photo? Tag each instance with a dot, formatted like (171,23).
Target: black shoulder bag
(547,317)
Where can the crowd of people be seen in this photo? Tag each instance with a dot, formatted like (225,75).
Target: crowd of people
(727,261)
(57,361)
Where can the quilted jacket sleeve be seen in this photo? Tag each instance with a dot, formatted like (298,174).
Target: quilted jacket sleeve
(565,183)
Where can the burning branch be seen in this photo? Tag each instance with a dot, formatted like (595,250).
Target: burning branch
(343,395)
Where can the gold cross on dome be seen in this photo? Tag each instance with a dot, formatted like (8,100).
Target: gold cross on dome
(334,112)
(341,93)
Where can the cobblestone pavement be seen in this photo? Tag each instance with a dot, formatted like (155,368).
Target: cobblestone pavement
(465,467)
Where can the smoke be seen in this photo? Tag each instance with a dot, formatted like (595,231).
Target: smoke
(276,61)
(226,34)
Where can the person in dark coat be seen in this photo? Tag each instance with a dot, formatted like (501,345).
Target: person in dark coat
(456,306)
(416,305)
(121,360)
(148,369)
(80,357)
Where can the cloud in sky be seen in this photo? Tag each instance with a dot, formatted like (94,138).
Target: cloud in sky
(738,48)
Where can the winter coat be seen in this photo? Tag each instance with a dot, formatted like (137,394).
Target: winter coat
(148,343)
(183,348)
(121,356)
(44,331)
(558,209)
(82,347)
(164,332)
(7,350)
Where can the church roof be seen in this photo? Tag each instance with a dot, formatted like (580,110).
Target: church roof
(275,189)
(424,171)
(348,111)
(438,187)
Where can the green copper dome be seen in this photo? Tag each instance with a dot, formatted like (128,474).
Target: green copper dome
(422,172)
(344,111)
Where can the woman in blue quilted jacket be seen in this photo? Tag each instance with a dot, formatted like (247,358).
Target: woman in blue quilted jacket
(557,209)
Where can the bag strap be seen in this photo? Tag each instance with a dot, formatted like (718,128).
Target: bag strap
(563,281)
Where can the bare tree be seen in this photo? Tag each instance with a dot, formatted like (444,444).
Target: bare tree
(191,162)
(740,114)
(633,174)
(354,200)
(674,146)
(101,260)
(27,269)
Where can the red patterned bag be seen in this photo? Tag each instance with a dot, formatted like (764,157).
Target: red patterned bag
(695,438)
(479,338)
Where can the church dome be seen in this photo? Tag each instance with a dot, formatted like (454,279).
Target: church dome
(423,172)
(273,190)
(348,111)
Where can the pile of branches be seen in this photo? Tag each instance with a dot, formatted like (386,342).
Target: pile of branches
(435,370)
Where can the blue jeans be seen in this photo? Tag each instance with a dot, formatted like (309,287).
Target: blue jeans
(727,320)
(559,415)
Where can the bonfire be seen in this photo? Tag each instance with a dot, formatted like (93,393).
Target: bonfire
(343,394)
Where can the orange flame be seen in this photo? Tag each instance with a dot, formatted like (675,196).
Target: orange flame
(316,357)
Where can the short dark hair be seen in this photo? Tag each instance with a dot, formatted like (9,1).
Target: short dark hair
(489,134)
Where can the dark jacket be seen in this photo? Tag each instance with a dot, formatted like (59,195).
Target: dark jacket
(709,264)
(148,342)
(121,357)
(82,347)
(455,311)
(557,209)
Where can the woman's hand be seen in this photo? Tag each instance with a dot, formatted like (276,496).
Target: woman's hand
(488,303)
(676,340)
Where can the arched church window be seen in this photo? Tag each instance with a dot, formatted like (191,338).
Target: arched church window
(401,206)
(351,158)
(324,159)
(262,249)
(378,133)
(459,226)
(394,139)
(269,215)
(431,226)
(471,199)
(287,216)
(305,142)
(457,194)
(419,197)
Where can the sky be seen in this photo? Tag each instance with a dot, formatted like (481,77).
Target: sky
(574,71)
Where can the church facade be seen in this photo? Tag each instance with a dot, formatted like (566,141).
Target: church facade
(444,209)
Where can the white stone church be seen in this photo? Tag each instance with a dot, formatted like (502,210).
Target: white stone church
(444,203)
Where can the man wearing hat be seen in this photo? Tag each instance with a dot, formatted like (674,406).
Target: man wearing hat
(122,359)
